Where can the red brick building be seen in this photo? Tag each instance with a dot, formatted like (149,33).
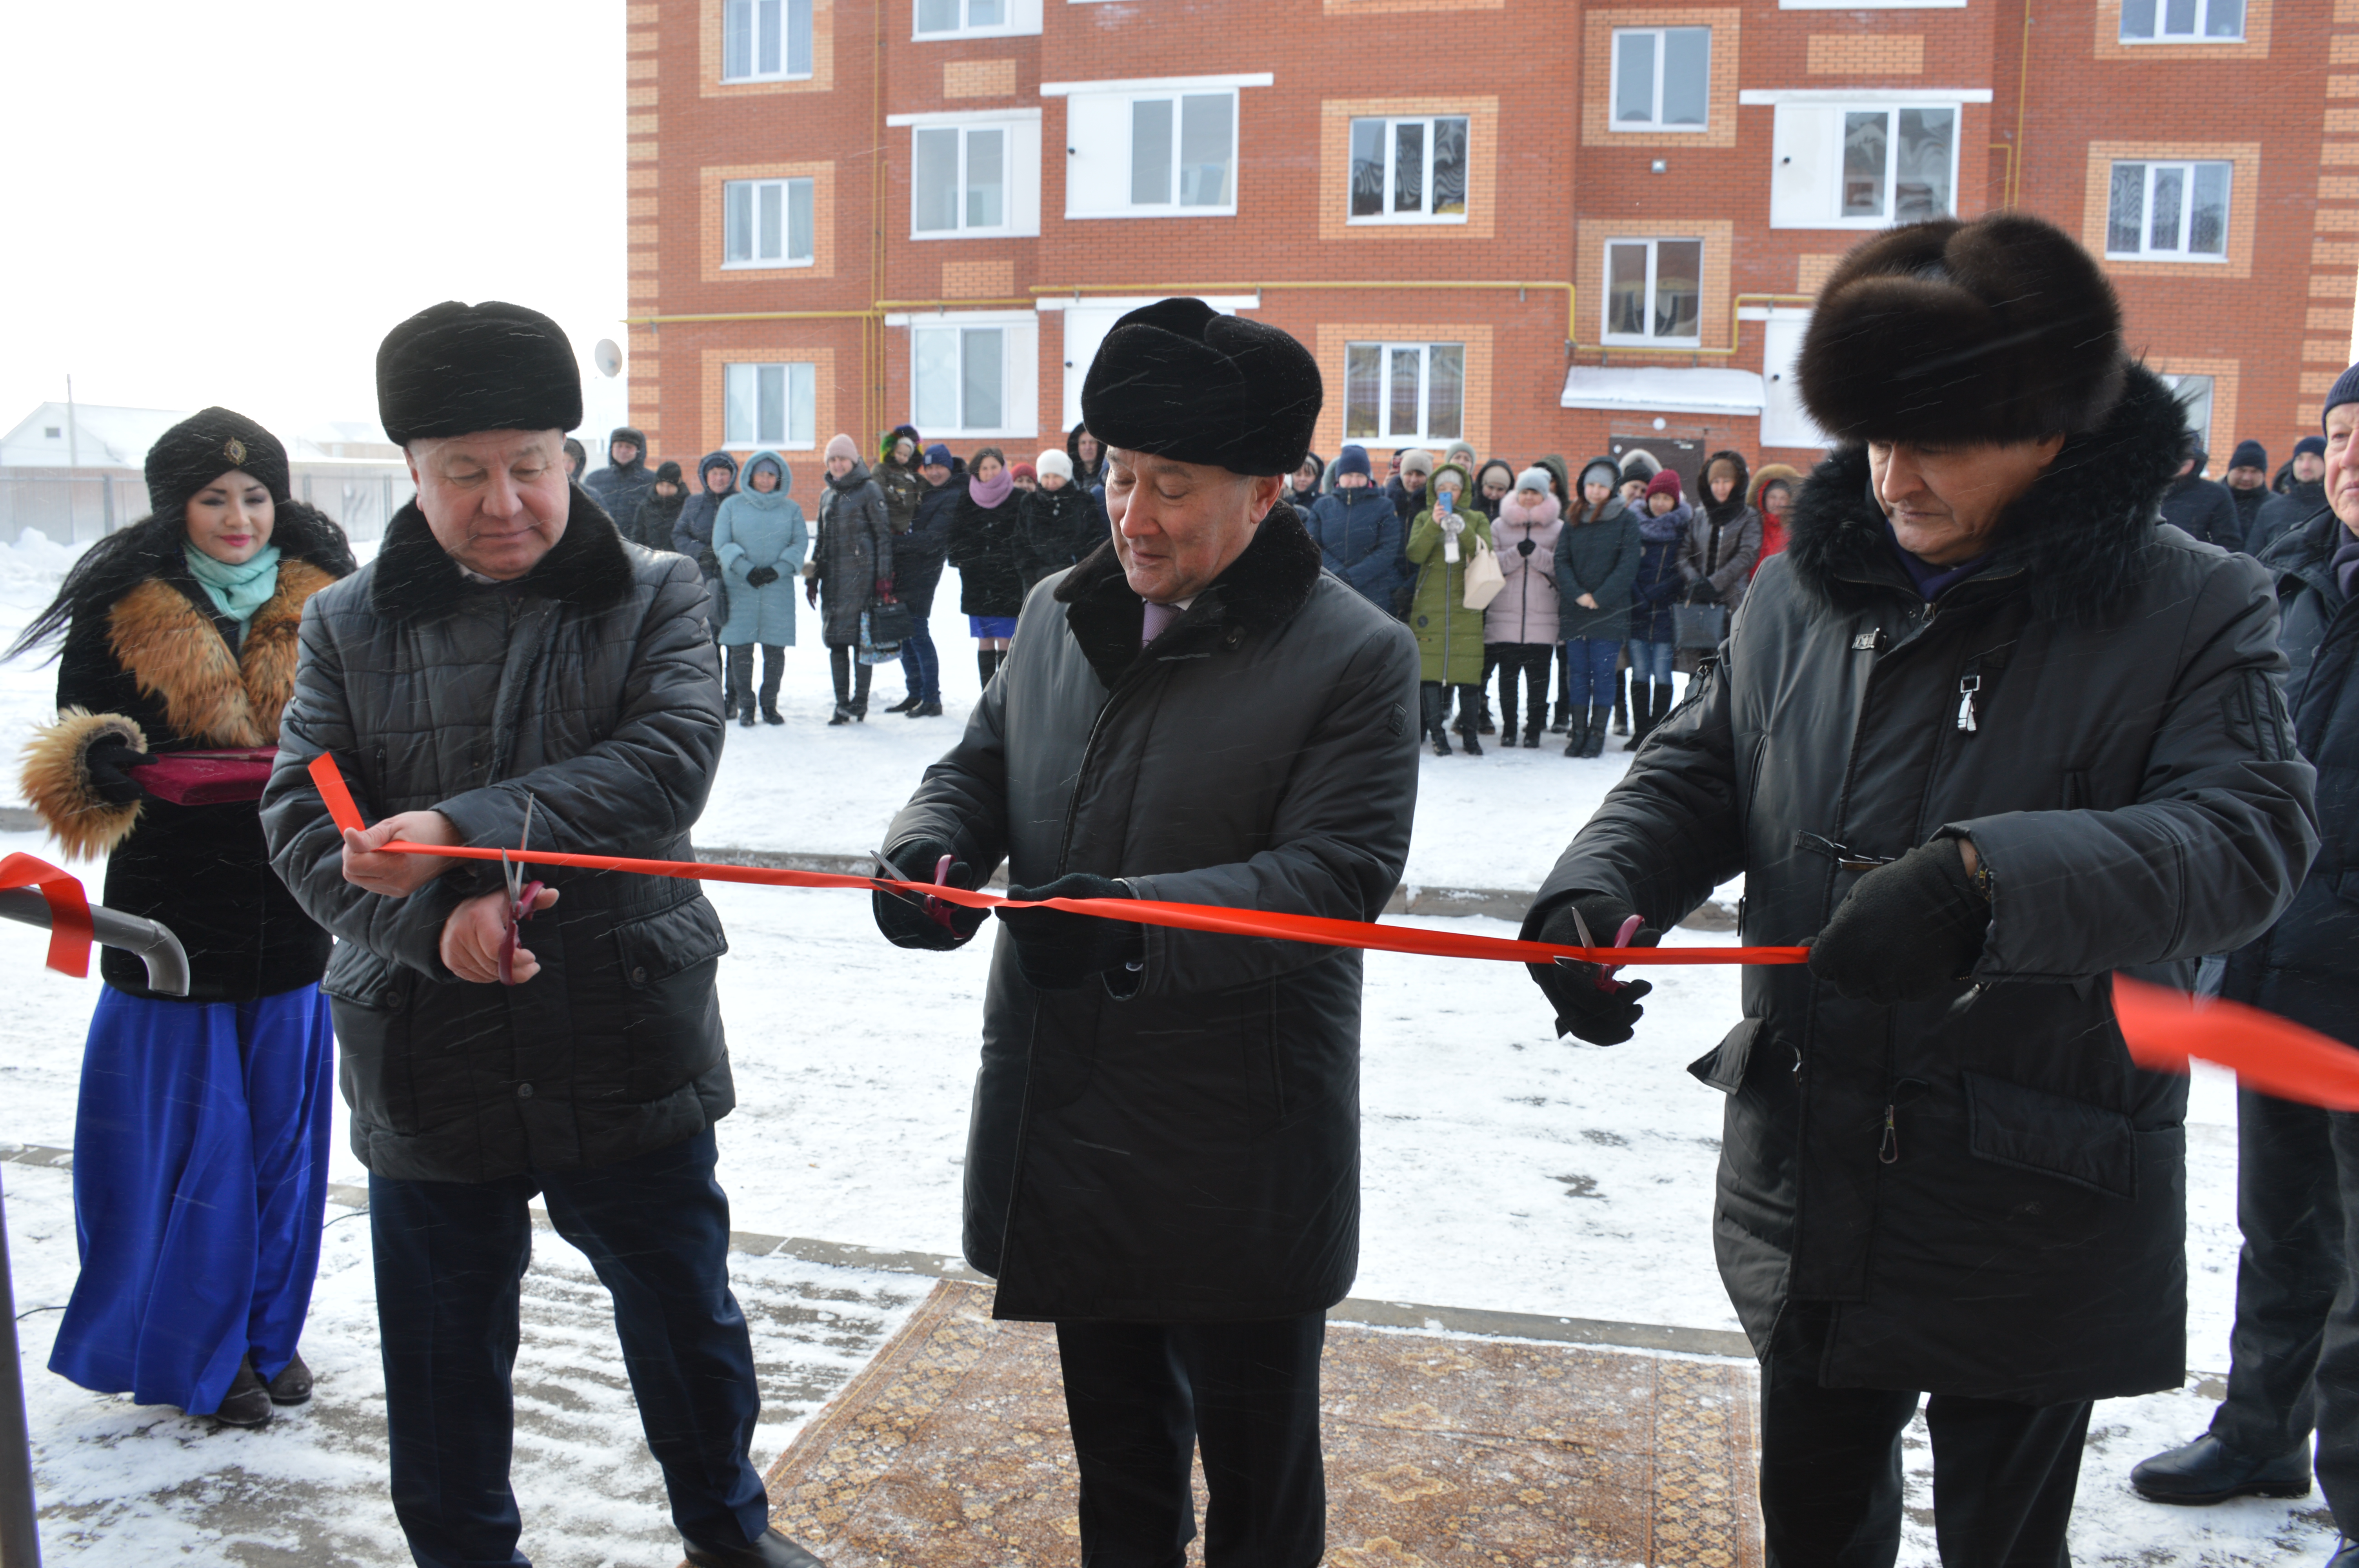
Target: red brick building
(1541,225)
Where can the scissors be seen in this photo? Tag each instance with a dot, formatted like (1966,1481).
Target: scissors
(522,896)
(1606,972)
(938,910)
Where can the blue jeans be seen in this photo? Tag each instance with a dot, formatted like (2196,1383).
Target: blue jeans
(920,665)
(1651,661)
(1589,664)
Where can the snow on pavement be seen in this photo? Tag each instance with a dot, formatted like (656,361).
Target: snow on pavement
(1503,1168)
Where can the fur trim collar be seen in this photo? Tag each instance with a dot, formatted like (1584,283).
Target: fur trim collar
(2080,538)
(1262,589)
(416,576)
(174,651)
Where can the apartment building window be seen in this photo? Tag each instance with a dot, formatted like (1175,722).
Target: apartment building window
(1654,292)
(2194,396)
(2182,21)
(972,173)
(1410,171)
(2168,211)
(1662,78)
(769,405)
(767,222)
(1170,154)
(975,18)
(1899,164)
(1403,392)
(973,374)
(766,40)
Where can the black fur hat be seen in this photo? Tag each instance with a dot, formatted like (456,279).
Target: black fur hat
(1180,379)
(453,369)
(205,445)
(1999,330)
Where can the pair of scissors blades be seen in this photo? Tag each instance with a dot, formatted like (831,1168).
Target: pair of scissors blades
(522,895)
(938,910)
(1606,972)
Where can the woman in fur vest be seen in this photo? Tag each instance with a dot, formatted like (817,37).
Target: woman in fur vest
(200,1143)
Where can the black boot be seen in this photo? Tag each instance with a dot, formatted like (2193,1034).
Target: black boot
(1642,716)
(293,1384)
(1599,718)
(906,705)
(1470,719)
(1621,702)
(2207,1471)
(773,1550)
(247,1403)
(746,715)
(1430,697)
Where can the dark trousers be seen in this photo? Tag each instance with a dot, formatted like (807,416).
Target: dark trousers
(852,679)
(1531,661)
(1142,1397)
(920,665)
(740,672)
(2289,1207)
(450,1258)
(2004,1474)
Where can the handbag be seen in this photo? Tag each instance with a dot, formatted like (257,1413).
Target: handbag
(875,649)
(890,621)
(1699,625)
(1483,578)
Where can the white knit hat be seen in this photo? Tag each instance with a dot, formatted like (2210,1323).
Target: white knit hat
(1054,461)
(1534,477)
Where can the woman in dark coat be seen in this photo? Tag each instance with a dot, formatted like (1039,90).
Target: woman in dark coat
(1596,560)
(1301,490)
(200,1143)
(658,514)
(851,569)
(1089,459)
(1653,591)
(692,535)
(897,476)
(984,546)
(1056,523)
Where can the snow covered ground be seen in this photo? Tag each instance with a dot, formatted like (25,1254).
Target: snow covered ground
(1504,1170)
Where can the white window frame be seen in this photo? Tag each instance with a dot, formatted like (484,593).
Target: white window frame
(790,17)
(1019,370)
(2158,11)
(1021,19)
(1806,155)
(1021,202)
(1613,122)
(1098,120)
(1391,146)
(2188,168)
(1647,339)
(797,377)
(2189,397)
(1423,435)
(752,188)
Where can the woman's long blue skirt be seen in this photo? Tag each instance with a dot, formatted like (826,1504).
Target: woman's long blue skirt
(200,1180)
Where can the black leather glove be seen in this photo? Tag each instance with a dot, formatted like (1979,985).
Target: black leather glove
(1911,929)
(108,760)
(762,577)
(1603,1016)
(905,925)
(1525,546)
(1700,591)
(1058,951)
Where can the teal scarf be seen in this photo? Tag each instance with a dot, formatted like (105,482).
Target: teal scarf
(236,592)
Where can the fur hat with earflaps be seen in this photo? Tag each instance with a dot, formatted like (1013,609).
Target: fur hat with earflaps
(1999,330)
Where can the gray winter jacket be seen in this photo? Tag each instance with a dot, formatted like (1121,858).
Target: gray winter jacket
(1989,1192)
(1724,553)
(851,554)
(590,686)
(1190,1151)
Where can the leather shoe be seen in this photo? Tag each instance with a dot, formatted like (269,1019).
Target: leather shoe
(293,1384)
(247,1403)
(773,1550)
(2207,1471)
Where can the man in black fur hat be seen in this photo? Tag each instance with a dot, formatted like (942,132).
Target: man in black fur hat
(507,672)
(1164,1154)
(1982,735)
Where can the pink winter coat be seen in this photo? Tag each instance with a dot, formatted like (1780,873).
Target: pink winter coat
(1525,611)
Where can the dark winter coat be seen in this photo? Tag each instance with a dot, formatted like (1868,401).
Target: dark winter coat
(1406,505)
(917,554)
(657,516)
(2248,503)
(1599,558)
(159,664)
(1994,1199)
(2281,515)
(1658,583)
(1055,529)
(1085,477)
(2201,509)
(590,686)
(2307,967)
(1723,538)
(618,488)
(691,531)
(1361,535)
(903,487)
(1302,501)
(852,555)
(984,546)
(1189,1152)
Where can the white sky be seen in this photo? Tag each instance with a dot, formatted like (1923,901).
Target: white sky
(231,201)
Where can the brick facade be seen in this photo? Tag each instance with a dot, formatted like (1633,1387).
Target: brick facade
(2047,98)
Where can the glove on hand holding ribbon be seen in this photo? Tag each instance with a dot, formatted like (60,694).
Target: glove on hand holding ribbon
(907,924)
(1910,929)
(1590,1004)
(1058,951)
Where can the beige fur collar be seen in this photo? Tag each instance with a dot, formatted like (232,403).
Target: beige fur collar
(209,694)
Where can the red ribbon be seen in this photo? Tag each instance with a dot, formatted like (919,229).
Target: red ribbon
(69,928)
(2275,1055)
(1311,928)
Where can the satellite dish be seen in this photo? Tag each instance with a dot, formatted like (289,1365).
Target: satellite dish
(607,357)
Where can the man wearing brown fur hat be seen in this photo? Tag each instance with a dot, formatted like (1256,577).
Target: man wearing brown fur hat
(1985,733)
